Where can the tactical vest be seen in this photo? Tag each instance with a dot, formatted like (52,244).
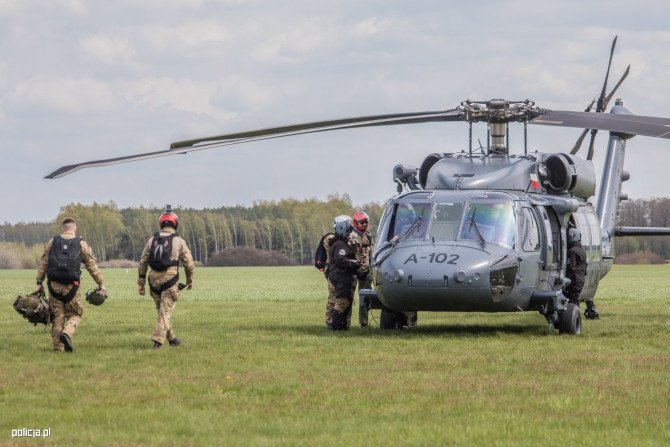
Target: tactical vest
(64,262)
(160,253)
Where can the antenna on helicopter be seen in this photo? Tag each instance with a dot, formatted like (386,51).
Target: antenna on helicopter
(601,104)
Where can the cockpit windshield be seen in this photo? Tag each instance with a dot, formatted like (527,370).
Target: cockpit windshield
(410,220)
(491,222)
(444,221)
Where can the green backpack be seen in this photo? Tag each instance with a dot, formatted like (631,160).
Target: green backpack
(34,308)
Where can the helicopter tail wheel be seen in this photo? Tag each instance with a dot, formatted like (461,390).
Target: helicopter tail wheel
(390,319)
(570,321)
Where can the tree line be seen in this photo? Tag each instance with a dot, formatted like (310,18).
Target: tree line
(289,227)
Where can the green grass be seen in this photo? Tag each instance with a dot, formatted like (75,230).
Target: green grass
(257,367)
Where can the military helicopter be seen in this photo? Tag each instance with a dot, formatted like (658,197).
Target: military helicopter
(484,230)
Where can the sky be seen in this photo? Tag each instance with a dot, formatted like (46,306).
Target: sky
(85,80)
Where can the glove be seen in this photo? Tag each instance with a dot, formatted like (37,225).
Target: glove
(362,273)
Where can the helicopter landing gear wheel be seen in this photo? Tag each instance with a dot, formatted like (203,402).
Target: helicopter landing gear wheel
(391,319)
(570,322)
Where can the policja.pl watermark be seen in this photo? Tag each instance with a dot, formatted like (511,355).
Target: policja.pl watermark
(31,432)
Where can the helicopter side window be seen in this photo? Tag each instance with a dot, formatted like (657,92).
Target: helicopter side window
(493,221)
(445,220)
(410,220)
(529,231)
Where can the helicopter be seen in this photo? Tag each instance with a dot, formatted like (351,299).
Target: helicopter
(484,230)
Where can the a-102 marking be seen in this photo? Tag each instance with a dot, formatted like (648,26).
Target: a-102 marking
(438,258)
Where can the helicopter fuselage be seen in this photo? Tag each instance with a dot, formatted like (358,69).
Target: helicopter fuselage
(492,238)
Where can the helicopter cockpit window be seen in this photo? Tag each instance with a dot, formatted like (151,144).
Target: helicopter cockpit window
(528,231)
(410,220)
(492,222)
(445,220)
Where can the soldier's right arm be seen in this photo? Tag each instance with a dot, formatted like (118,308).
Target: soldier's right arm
(44,262)
(143,265)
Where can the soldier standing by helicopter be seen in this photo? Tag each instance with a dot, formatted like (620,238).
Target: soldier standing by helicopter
(163,253)
(361,241)
(342,274)
(576,269)
(323,252)
(61,263)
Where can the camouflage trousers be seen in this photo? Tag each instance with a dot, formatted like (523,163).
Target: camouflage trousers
(165,303)
(66,316)
(330,304)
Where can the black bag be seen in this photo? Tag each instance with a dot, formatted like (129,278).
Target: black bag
(160,253)
(64,261)
(321,253)
(34,308)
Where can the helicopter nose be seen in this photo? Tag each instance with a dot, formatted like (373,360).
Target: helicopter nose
(444,278)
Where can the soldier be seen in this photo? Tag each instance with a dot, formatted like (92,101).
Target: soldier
(342,275)
(163,253)
(361,241)
(61,263)
(576,268)
(326,240)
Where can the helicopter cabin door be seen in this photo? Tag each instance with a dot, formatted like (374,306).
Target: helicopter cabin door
(551,248)
(530,250)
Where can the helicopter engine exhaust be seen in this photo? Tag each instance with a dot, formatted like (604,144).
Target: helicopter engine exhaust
(564,173)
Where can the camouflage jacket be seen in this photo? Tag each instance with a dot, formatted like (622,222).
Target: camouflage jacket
(361,242)
(180,252)
(87,258)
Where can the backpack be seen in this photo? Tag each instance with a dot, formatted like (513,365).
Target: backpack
(160,253)
(321,254)
(64,261)
(34,308)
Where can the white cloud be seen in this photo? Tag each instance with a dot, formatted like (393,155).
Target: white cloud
(108,50)
(186,36)
(9,6)
(66,94)
(76,6)
(177,94)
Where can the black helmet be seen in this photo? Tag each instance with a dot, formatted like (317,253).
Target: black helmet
(95,297)
(574,236)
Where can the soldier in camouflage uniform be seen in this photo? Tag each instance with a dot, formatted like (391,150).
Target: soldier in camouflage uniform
(361,241)
(327,240)
(61,264)
(163,284)
(342,273)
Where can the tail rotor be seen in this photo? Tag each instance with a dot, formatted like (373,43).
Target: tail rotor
(601,105)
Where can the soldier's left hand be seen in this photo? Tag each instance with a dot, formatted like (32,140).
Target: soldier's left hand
(189,286)
(103,291)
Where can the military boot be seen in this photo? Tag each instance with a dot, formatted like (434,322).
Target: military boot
(67,342)
(174,342)
(591,313)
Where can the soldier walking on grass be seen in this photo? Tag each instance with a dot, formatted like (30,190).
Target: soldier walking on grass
(61,264)
(163,253)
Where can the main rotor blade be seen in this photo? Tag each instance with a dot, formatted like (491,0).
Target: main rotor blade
(650,126)
(273,132)
(343,123)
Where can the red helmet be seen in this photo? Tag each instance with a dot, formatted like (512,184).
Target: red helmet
(168,218)
(361,221)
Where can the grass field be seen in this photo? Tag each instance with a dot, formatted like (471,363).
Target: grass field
(257,367)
